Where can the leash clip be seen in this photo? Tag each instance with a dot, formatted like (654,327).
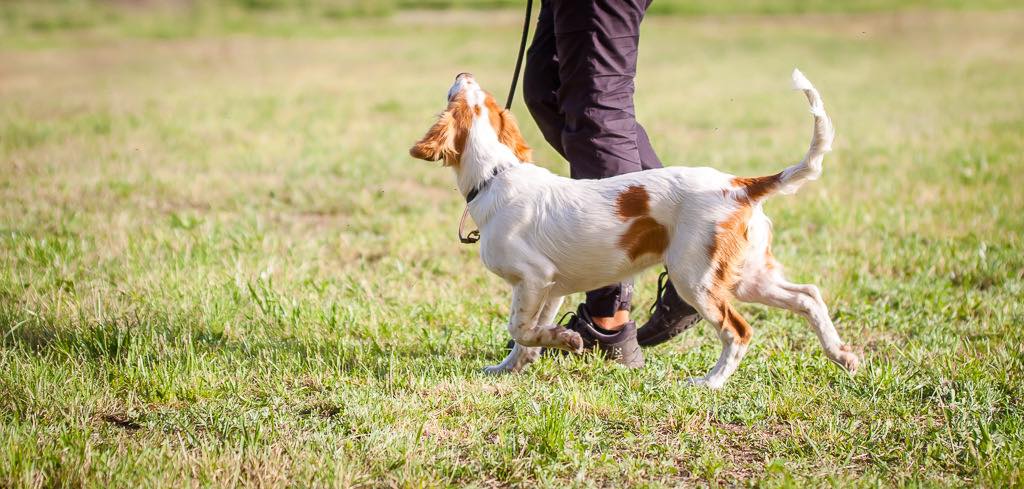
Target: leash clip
(473,235)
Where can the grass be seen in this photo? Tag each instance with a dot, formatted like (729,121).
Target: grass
(219,266)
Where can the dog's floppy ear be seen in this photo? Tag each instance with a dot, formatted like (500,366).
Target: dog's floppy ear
(439,142)
(510,136)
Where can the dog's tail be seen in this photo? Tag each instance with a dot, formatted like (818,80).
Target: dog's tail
(790,179)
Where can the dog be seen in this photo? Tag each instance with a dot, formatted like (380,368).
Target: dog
(549,236)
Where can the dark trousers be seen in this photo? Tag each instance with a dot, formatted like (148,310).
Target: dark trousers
(578,85)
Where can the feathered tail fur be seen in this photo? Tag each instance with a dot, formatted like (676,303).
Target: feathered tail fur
(809,168)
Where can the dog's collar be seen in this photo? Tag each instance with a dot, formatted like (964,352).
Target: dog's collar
(483,185)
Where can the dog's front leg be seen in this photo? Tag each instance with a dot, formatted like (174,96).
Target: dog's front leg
(526,327)
(518,358)
(521,356)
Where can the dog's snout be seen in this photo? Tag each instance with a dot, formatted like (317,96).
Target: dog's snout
(461,80)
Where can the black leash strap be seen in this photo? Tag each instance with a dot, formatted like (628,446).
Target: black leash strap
(519,59)
(474,235)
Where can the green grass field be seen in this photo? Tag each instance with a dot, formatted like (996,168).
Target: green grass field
(218,265)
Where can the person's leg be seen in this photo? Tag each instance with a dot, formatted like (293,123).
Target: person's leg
(541,85)
(540,79)
(648,158)
(609,306)
(596,47)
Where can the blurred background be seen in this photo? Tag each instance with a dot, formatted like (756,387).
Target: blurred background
(172,18)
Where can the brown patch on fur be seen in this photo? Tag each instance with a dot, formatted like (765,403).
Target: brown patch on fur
(446,139)
(726,255)
(633,202)
(493,113)
(727,251)
(645,235)
(731,320)
(758,187)
(504,124)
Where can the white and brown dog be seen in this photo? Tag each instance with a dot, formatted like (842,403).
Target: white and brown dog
(549,236)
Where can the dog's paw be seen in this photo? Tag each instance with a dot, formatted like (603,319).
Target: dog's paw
(704,382)
(848,359)
(571,341)
(495,370)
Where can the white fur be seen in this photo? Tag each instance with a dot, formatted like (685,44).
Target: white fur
(549,236)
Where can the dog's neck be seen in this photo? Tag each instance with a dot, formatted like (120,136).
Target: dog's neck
(483,157)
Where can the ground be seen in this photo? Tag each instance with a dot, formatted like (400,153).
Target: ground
(219,266)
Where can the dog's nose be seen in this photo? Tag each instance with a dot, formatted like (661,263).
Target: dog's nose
(463,75)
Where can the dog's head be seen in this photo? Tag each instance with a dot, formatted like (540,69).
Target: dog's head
(470,109)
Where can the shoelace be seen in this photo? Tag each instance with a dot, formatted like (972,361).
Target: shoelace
(585,316)
(662,287)
(561,320)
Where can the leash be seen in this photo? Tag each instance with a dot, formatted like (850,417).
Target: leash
(474,235)
(519,59)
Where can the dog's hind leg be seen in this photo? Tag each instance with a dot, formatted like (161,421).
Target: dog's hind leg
(733,331)
(771,289)
(706,288)
(522,356)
